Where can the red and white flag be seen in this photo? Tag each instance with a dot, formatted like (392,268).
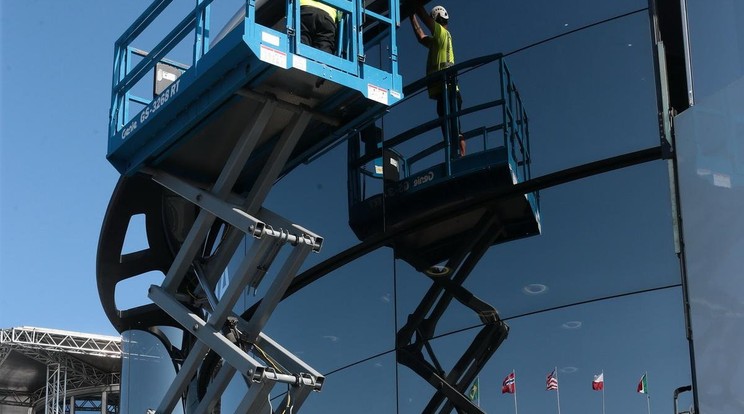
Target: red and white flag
(509,386)
(642,385)
(552,382)
(598,383)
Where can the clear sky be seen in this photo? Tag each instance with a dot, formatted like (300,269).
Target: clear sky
(56,182)
(590,95)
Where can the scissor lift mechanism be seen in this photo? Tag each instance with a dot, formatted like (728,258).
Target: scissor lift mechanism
(260,71)
(413,338)
(270,233)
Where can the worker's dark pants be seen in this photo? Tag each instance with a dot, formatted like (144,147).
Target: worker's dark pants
(318,29)
(454,123)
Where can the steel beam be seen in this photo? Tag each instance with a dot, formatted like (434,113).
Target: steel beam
(266,246)
(221,189)
(200,350)
(58,340)
(205,200)
(215,389)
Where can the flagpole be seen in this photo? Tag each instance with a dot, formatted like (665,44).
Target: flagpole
(648,396)
(514,373)
(478,379)
(557,392)
(648,403)
(603,397)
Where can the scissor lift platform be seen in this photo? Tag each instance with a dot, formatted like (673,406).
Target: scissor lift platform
(443,207)
(191,126)
(444,204)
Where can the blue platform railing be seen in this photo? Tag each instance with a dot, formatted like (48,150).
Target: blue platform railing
(348,67)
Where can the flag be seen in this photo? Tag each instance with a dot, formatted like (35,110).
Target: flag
(509,386)
(474,393)
(642,385)
(552,382)
(598,383)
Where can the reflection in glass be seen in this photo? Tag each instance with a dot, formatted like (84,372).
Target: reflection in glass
(589,95)
(710,139)
(343,318)
(365,388)
(147,371)
(717,44)
(622,337)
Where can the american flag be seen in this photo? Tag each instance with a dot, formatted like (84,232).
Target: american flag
(552,382)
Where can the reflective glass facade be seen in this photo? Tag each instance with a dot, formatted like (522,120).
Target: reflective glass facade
(146,371)
(601,289)
(598,291)
(710,140)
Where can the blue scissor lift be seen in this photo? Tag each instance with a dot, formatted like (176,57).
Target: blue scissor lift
(253,103)
(199,156)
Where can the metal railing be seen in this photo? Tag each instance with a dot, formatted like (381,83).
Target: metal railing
(507,115)
(359,27)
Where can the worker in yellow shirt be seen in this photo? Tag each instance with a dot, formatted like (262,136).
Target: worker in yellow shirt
(318,25)
(441,56)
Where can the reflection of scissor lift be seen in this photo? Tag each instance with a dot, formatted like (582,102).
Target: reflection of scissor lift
(215,138)
(451,227)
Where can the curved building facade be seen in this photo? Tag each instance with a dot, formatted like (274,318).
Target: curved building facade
(635,131)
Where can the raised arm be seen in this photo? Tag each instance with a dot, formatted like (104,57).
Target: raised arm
(424,16)
(420,35)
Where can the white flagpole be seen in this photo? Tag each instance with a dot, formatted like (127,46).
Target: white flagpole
(603,397)
(648,396)
(557,393)
(514,373)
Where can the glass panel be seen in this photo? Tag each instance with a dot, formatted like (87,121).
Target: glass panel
(146,372)
(314,196)
(605,235)
(710,138)
(623,338)
(342,318)
(368,387)
(588,94)
(716,44)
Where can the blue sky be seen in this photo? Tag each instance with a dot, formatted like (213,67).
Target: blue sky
(590,95)
(56,182)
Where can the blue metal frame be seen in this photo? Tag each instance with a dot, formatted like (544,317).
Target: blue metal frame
(268,49)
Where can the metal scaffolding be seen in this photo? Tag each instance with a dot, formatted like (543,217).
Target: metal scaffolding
(56,340)
(56,389)
(72,368)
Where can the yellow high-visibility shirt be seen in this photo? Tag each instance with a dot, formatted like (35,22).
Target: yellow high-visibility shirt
(328,9)
(441,56)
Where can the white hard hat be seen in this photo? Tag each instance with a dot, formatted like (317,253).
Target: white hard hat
(439,12)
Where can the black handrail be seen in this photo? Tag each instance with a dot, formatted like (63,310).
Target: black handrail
(417,86)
